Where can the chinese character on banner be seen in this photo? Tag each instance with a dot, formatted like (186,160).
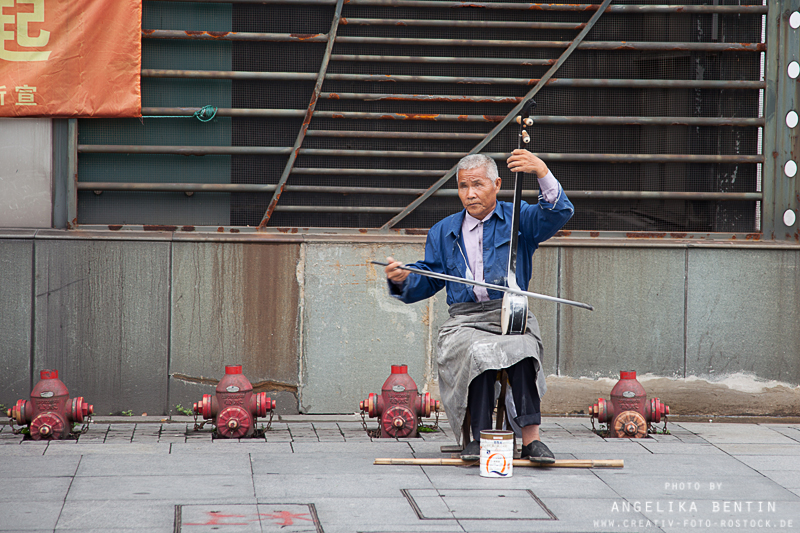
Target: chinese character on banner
(70,58)
(22,37)
(25,95)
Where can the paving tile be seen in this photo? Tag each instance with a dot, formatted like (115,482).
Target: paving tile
(380,484)
(760,449)
(111,514)
(165,465)
(570,517)
(477,504)
(22,516)
(17,450)
(234,488)
(682,448)
(375,514)
(382,448)
(771,462)
(39,466)
(737,433)
(788,479)
(109,448)
(207,518)
(216,448)
(23,490)
(697,487)
(169,529)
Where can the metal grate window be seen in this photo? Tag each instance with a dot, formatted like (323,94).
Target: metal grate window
(651,123)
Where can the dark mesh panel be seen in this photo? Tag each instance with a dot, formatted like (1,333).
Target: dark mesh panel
(381,167)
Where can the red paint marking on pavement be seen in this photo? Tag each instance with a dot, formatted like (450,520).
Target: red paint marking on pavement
(287,517)
(215,517)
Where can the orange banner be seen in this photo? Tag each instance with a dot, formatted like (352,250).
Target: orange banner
(70,58)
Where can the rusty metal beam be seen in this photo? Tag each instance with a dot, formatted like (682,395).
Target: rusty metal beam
(517,108)
(357,115)
(494,61)
(301,135)
(235,36)
(374,97)
(586,45)
(256,188)
(501,24)
(368,172)
(274,150)
(404,41)
(397,135)
(552,82)
(616,9)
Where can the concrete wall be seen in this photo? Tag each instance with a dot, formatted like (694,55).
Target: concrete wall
(26,172)
(146,321)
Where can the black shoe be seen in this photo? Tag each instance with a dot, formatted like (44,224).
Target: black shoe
(472,452)
(538,452)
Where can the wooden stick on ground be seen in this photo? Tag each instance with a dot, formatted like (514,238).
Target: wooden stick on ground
(560,463)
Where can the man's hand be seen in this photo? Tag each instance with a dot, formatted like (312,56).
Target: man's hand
(393,273)
(522,160)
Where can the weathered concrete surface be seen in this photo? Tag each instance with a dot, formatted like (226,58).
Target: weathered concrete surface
(737,395)
(353,330)
(545,281)
(26,173)
(16,265)
(637,324)
(102,320)
(234,303)
(743,311)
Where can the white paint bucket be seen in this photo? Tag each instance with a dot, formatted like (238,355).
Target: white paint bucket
(497,453)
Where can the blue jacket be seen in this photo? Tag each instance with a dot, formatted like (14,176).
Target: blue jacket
(537,224)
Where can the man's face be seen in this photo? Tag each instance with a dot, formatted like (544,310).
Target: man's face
(477,192)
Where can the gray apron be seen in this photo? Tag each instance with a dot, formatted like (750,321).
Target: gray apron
(470,342)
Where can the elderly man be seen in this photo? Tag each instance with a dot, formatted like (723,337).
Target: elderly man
(474,244)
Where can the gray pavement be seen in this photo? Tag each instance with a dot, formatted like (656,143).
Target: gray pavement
(316,474)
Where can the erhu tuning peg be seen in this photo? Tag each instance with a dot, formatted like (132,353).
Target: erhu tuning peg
(529,121)
(525,137)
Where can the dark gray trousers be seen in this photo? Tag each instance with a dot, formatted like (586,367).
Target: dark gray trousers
(522,377)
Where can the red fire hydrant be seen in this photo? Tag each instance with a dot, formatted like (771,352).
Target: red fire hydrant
(50,412)
(399,406)
(234,408)
(630,413)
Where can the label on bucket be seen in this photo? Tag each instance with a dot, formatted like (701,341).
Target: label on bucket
(497,453)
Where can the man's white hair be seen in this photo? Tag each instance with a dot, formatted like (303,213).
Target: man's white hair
(477,161)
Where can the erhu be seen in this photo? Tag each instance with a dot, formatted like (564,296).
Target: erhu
(514,311)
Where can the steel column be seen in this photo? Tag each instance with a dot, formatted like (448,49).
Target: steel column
(72,173)
(781,143)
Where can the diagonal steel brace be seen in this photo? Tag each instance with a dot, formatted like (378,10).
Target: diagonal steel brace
(513,113)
